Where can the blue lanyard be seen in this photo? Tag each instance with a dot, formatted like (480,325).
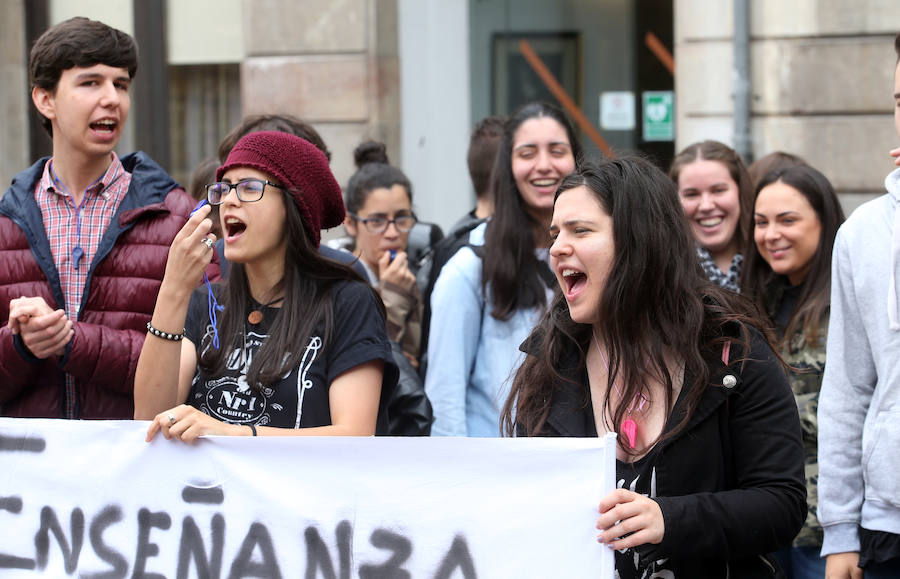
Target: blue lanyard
(212,305)
(77,251)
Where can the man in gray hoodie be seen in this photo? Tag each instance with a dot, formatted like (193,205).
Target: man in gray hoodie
(859,406)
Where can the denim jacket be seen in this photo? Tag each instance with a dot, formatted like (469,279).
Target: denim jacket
(472,356)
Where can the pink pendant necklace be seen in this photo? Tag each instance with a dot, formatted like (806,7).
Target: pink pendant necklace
(629,426)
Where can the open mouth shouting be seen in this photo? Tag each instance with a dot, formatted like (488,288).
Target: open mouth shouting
(105,127)
(574,282)
(233,228)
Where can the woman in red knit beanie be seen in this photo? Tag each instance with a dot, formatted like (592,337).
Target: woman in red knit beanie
(292,343)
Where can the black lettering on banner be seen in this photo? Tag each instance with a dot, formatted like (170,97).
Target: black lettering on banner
(50,523)
(458,557)
(110,515)
(13,505)
(318,556)
(192,547)
(390,569)
(22,444)
(205,496)
(147,521)
(242,566)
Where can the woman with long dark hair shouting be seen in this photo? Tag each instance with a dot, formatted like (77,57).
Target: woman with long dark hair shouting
(709,461)
(294,343)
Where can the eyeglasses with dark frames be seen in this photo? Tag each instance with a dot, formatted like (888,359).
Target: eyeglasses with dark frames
(379,224)
(248,190)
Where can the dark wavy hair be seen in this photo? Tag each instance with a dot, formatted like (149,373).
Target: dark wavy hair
(757,277)
(716,151)
(774,161)
(272,122)
(483,144)
(656,304)
(307,284)
(373,171)
(78,42)
(510,266)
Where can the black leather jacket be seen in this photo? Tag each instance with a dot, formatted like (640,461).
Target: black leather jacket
(409,410)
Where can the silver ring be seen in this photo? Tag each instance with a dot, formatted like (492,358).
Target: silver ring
(171,418)
(207,242)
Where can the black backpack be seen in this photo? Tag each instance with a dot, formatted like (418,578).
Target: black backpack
(430,268)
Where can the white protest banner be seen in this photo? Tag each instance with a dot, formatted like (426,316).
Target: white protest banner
(92,499)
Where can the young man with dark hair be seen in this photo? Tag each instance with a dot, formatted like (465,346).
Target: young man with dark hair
(859,416)
(483,145)
(84,235)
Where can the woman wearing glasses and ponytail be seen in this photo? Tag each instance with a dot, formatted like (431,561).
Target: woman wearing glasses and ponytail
(293,343)
(379,219)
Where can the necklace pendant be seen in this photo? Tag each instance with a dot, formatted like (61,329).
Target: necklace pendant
(629,429)
(255,317)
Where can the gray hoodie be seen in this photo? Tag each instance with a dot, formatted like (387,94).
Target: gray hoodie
(859,406)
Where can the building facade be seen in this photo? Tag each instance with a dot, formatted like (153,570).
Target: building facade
(417,74)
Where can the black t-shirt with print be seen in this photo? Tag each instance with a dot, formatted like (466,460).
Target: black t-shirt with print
(299,399)
(638,477)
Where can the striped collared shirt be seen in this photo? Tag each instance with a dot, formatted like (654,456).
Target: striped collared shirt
(74,232)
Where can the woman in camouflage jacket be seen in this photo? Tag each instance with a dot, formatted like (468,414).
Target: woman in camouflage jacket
(788,273)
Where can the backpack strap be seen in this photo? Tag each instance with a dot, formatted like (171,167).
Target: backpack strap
(546,274)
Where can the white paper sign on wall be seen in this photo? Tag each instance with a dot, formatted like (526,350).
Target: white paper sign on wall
(617,111)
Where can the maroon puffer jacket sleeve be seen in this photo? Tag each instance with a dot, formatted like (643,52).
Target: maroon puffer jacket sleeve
(104,357)
(15,371)
(104,351)
(20,275)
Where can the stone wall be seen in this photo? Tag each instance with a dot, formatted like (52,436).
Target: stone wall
(821,81)
(333,63)
(14,98)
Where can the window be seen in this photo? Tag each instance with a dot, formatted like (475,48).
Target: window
(204,104)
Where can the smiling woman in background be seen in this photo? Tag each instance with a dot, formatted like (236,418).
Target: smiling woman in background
(788,273)
(717,196)
(491,293)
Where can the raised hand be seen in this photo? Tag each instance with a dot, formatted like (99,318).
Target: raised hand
(396,271)
(191,252)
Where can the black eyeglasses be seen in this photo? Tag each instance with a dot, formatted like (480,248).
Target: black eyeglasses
(378,224)
(248,190)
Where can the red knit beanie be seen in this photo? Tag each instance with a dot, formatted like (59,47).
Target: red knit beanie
(303,171)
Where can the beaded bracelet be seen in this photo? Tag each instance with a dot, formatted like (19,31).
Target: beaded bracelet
(165,335)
